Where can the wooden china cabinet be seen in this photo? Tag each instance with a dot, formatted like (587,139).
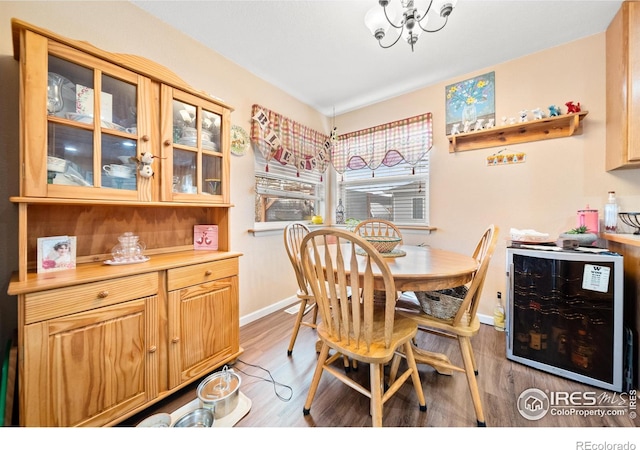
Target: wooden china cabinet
(101,342)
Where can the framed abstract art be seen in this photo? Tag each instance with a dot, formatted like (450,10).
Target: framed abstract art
(470,100)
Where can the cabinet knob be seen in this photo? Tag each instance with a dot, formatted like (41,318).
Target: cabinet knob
(167,143)
(103,294)
(145,138)
(153,349)
(208,273)
(175,340)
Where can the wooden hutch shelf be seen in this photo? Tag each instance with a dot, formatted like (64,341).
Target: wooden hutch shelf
(534,130)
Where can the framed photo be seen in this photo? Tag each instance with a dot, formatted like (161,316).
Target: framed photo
(56,253)
(470,100)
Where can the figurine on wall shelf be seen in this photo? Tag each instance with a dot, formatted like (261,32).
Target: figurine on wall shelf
(467,127)
(490,124)
(478,125)
(572,107)
(554,111)
(537,114)
(504,120)
(523,115)
(455,128)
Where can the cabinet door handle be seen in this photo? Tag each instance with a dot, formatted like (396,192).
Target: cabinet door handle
(103,294)
(208,273)
(167,143)
(145,138)
(175,340)
(152,349)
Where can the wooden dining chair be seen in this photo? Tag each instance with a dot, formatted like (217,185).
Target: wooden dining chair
(378,227)
(460,323)
(293,235)
(359,328)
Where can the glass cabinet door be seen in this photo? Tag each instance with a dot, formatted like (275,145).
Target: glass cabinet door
(92,139)
(197,171)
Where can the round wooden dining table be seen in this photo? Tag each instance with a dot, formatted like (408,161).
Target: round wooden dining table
(417,268)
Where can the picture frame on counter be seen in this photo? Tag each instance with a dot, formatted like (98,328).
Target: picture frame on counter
(56,253)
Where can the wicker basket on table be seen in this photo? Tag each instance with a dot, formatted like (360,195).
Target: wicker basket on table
(443,304)
(384,244)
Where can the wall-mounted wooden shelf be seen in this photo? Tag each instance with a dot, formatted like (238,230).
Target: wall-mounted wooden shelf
(534,130)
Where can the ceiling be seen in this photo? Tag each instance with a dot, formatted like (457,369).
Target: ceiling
(320,52)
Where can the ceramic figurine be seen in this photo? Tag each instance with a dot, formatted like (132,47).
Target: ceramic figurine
(523,115)
(144,167)
(490,124)
(537,114)
(478,125)
(455,128)
(467,127)
(512,120)
(572,107)
(504,120)
(554,111)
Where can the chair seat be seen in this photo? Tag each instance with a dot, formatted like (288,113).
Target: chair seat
(404,330)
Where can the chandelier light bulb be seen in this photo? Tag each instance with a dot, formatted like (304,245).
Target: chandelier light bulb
(380,19)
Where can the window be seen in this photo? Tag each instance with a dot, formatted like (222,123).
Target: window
(283,194)
(385,171)
(392,193)
(289,161)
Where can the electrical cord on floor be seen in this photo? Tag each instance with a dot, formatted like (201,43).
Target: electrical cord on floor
(269,380)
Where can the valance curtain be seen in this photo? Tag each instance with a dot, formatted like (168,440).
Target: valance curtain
(288,142)
(406,140)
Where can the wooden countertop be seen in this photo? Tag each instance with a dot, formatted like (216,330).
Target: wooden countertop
(628,239)
(98,271)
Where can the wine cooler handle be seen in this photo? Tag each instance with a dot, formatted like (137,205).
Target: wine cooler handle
(509,308)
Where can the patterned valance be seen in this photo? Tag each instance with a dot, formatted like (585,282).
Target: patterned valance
(389,144)
(288,142)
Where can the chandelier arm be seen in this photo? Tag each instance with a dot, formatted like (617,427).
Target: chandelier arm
(384,8)
(437,29)
(393,43)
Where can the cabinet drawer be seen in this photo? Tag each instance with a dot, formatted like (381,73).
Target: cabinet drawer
(201,273)
(69,300)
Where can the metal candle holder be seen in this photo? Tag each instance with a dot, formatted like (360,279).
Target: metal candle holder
(631,219)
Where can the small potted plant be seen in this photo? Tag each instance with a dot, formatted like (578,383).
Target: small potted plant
(582,235)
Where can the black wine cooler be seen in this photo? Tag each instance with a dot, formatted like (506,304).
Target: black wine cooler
(565,314)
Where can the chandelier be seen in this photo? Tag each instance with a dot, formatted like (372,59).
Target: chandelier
(413,20)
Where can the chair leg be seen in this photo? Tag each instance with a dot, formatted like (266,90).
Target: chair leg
(376,394)
(296,326)
(473,361)
(324,354)
(467,357)
(347,363)
(415,376)
(393,369)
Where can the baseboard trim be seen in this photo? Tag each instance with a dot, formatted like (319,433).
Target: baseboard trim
(244,320)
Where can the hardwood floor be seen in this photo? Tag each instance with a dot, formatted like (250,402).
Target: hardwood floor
(277,386)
